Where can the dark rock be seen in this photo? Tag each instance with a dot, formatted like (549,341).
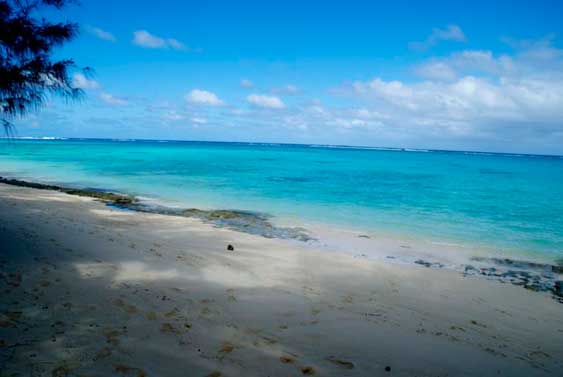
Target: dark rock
(533,287)
(388,369)
(428,264)
(469,269)
(103,195)
(423,263)
(243,221)
(230,247)
(558,288)
(555,268)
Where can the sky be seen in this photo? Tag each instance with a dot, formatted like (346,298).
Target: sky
(477,75)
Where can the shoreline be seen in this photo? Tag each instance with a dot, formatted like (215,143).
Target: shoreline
(529,274)
(90,288)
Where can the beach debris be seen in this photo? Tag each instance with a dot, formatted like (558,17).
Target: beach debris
(215,373)
(363,236)
(341,363)
(558,288)
(230,247)
(308,370)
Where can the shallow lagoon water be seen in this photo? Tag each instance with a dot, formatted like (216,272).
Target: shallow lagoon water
(507,202)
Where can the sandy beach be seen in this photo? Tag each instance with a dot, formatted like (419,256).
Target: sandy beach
(91,290)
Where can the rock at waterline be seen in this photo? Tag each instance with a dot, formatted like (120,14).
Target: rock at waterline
(558,288)
(230,247)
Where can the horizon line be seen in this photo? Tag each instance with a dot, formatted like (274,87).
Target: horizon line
(309,145)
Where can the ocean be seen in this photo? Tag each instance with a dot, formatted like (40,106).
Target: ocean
(509,203)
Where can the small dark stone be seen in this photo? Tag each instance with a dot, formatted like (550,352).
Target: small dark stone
(230,247)
(388,369)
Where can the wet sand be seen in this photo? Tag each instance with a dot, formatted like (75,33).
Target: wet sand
(90,290)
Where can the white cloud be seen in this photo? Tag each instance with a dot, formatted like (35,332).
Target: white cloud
(112,100)
(471,100)
(203,97)
(451,33)
(287,89)
(145,39)
(245,83)
(473,97)
(82,82)
(436,71)
(175,44)
(101,34)
(197,120)
(270,102)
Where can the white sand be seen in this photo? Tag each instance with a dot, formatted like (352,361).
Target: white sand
(92,291)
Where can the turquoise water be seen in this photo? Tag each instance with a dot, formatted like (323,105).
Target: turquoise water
(510,202)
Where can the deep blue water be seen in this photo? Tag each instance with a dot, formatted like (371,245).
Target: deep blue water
(512,202)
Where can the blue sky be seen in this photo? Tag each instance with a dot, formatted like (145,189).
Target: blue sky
(449,74)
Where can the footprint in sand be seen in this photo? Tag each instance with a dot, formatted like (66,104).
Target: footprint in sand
(168,328)
(231,293)
(457,328)
(227,347)
(131,309)
(63,370)
(9,319)
(102,354)
(473,322)
(341,363)
(287,359)
(172,313)
(308,370)
(112,336)
(129,371)
(538,355)
(151,316)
